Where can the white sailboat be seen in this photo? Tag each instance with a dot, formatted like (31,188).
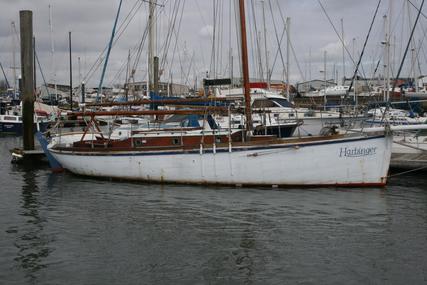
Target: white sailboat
(359,159)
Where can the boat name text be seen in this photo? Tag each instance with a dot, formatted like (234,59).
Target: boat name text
(357,151)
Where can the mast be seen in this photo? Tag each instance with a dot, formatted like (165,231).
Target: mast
(387,43)
(151,43)
(324,78)
(14,58)
(80,70)
(413,63)
(355,73)
(71,71)
(267,72)
(127,78)
(343,52)
(108,52)
(309,64)
(52,51)
(245,67)
(288,26)
(385,58)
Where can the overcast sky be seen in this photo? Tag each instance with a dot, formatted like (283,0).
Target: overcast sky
(190,49)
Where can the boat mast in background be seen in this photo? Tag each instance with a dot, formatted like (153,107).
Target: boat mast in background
(288,26)
(108,52)
(71,71)
(343,51)
(267,71)
(52,53)
(325,53)
(151,44)
(13,57)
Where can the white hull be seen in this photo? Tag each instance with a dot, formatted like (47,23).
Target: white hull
(345,161)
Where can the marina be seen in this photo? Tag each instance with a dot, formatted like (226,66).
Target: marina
(54,225)
(241,151)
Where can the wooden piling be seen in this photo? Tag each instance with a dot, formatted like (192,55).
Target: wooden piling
(27,71)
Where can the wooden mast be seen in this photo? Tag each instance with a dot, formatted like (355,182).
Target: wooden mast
(245,68)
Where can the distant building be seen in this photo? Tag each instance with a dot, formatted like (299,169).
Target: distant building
(314,85)
(165,88)
(379,81)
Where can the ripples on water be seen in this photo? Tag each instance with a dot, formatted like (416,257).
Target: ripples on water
(64,229)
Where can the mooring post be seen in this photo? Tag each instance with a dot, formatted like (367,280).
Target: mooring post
(27,70)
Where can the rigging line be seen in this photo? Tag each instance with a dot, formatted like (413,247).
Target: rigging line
(155,3)
(123,67)
(230,59)
(172,23)
(42,74)
(99,59)
(252,44)
(420,44)
(279,42)
(99,91)
(339,36)
(411,70)
(406,50)
(200,13)
(175,33)
(290,42)
(238,36)
(392,32)
(120,31)
(138,50)
(363,73)
(416,8)
(376,67)
(221,39)
(175,12)
(187,76)
(408,171)
(122,27)
(212,62)
(364,46)
(258,45)
(5,77)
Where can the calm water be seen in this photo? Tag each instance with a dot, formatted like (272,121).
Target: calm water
(63,229)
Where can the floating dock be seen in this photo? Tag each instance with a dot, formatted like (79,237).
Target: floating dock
(409,161)
(19,155)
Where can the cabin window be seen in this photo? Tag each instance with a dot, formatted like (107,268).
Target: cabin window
(263,103)
(176,141)
(138,142)
(9,118)
(283,102)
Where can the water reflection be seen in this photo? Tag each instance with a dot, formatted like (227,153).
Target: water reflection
(244,261)
(31,241)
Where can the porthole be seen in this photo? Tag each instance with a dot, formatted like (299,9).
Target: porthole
(175,141)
